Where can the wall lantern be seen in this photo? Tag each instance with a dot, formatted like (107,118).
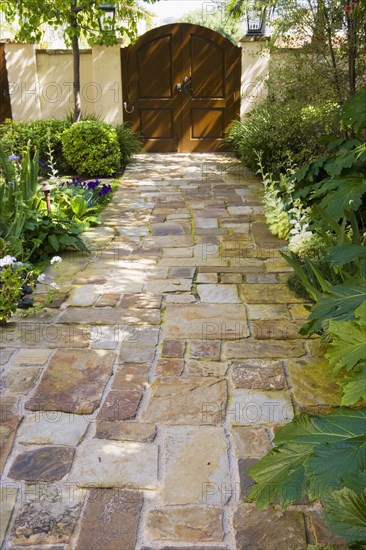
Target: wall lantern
(256,24)
(107,17)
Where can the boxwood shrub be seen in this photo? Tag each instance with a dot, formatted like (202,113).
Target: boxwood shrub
(91,148)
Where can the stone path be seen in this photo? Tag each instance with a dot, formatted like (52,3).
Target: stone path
(134,405)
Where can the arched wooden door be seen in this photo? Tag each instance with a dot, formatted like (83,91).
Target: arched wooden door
(181,88)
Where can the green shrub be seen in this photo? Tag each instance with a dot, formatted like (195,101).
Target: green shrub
(45,236)
(283,132)
(14,137)
(84,115)
(11,290)
(129,143)
(91,148)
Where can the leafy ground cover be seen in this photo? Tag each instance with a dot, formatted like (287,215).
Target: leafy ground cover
(30,234)
(317,201)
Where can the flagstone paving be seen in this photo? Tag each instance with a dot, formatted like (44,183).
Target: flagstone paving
(133,406)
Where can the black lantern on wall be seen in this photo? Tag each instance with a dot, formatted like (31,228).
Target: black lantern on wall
(107,17)
(256,23)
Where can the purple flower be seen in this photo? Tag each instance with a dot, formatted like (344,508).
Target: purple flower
(105,190)
(76,181)
(13,157)
(10,183)
(92,184)
(43,164)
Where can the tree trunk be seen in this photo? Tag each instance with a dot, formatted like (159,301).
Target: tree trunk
(319,38)
(333,56)
(76,64)
(352,54)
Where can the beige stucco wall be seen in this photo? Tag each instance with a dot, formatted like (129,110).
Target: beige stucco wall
(41,82)
(255,68)
(106,64)
(54,71)
(23,81)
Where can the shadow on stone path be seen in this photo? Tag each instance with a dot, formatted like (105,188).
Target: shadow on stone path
(134,405)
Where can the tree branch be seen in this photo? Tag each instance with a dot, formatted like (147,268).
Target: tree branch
(78,9)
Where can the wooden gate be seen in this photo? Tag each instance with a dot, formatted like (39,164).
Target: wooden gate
(5,106)
(181,88)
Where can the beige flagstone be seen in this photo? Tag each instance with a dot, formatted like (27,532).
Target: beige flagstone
(197,466)
(106,463)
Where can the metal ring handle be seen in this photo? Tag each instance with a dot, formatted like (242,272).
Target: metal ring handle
(125,105)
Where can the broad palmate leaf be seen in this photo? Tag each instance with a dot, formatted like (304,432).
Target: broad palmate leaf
(338,304)
(348,346)
(284,472)
(329,461)
(342,254)
(341,194)
(353,386)
(345,515)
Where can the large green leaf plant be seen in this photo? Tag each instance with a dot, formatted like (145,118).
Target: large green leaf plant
(324,457)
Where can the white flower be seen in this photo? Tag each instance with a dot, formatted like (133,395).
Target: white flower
(7,260)
(298,241)
(55,286)
(56,260)
(41,278)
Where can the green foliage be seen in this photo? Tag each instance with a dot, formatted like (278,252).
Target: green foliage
(340,179)
(324,457)
(283,132)
(347,348)
(45,236)
(318,457)
(91,148)
(354,113)
(343,254)
(79,206)
(335,68)
(353,386)
(345,514)
(333,188)
(277,202)
(336,182)
(339,303)
(33,15)
(15,136)
(215,18)
(129,142)
(11,282)
(347,356)
(18,189)
(84,115)
(76,20)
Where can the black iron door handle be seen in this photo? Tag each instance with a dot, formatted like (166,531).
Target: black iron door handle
(184,86)
(187,85)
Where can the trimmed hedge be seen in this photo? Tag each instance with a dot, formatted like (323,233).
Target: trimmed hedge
(91,148)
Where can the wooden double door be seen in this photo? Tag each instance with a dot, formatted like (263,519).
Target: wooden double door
(181,88)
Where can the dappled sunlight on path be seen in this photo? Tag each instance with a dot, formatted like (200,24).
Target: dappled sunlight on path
(134,405)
